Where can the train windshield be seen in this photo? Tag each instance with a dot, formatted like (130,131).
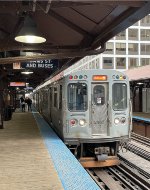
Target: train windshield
(77,97)
(119,96)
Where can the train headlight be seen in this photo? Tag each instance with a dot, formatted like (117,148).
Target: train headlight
(73,122)
(123,120)
(82,122)
(116,121)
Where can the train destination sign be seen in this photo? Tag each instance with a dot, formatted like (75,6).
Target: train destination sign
(40,64)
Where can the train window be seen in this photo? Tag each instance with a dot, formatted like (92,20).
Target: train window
(119,96)
(60,97)
(77,97)
(99,95)
(44,99)
(50,91)
(55,97)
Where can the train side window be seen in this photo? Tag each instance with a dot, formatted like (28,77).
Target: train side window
(50,90)
(119,96)
(77,97)
(55,97)
(60,97)
(99,95)
(45,98)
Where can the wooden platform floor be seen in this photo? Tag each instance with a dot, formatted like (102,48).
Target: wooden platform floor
(24,161)
(142,114)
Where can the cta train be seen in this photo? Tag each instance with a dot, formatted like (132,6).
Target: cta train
(90,110)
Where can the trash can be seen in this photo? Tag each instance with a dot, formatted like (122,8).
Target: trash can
(7,113)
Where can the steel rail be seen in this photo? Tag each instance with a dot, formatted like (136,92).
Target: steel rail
(125,176)
(141,139)
(141,171)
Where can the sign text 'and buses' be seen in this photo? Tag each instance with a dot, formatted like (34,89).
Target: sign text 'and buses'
(41,64)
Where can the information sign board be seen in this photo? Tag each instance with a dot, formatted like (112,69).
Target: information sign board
(42,64)
(17,84)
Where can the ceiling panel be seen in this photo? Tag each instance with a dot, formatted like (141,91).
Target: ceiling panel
(73,29)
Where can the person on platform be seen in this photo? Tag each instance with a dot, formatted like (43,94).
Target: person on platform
(22,102)
(29,103)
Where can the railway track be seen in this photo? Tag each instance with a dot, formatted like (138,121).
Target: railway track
(138,151)
(139,145)
(126,176)
(141,139)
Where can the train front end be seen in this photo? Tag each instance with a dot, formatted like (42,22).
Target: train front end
(98,115)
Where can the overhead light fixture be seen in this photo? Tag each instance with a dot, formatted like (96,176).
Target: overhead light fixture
(27,72)
(140,83)
(29,33)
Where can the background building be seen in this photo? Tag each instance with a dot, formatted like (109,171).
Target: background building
(130,48)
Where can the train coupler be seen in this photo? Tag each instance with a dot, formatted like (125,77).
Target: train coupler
(101,153)
(102,157)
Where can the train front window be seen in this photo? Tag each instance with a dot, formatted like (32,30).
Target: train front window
(77,97)
(119,98)
(99,95)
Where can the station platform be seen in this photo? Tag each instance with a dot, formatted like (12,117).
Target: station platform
(141,116)
(141,123)
(32,157)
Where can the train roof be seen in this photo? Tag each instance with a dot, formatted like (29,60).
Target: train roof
(64,74)
(108,71)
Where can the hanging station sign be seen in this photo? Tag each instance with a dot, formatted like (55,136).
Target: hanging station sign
(17,84)
(40,64)
(17,65)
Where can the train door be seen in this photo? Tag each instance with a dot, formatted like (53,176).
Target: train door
(99,109)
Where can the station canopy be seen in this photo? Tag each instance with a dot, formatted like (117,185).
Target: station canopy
(139,74)
(72,29)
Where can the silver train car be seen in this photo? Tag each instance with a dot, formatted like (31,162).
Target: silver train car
(90,110)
